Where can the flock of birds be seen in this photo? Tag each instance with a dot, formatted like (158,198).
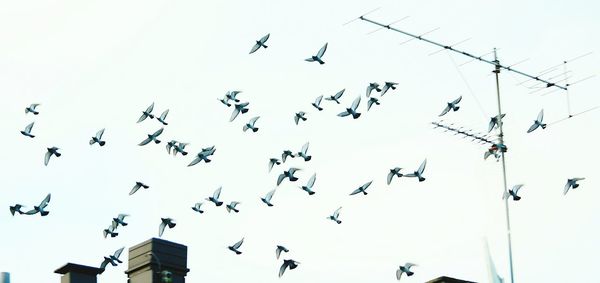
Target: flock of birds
(231,99)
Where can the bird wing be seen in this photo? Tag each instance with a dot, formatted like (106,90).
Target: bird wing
(217,193)
(366,185)
(253,120)
(309,59)
(491,125)
(29,127)
(47,157)
(567,187)
(142,118)
(265,38)
(311,181)
(516,188)
(339,94)
(104,264)
(540,116)
(304,148)
(45,202)
(445,111)
(322,51)
(370,103)
(356,191)
(118,252)
(422,167)
(122,216)
(385,88)
(161,228)
(163,116)
(254,48)
(399,274)
(238,244)
(282,268)
(271,164)
(578,179)
(344,114)
(533,127)
(150,108)
(269,195)
(234,114)
(318,100)
(457,100)
(390,176)
(355,103)
(278,252)
(145,142)
(99,134)
(336,213)
(293,170)
(296,119)
(195,161)
(409,265)
(280,179)
(157,133)
(135,188)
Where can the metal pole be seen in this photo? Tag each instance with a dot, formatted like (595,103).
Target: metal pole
(501,140)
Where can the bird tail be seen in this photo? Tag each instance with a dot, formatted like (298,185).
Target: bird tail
(355,115)
(105,233)
(57,154)
(409,273)
(516,198)
(320,61)
(543,126)
(455,108)
(171,225)
(112,235)
(421,179)
(238,252)
(339,221)
(364,193)
(293,179)
(44,213)
(219,203)
(184,153)
(92,141)
(575,186)
(102,143)
(35,112)
(255,130)
(311,193)
(156,141)
(308,158)
(244,110)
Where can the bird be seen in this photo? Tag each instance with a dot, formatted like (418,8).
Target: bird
(231,95)
(98,138)
(387,87)
(394,172)
(310,184)
(317,103)
(405,269)
(203,155)
(362,189)
(40,208)
(27,131)
(250,125)
(120,220)
(163,116)
(16,208)
(352,109)
(287,153)
(215,197)
(268,197)
(494,122)
(235,247)
(170,145)
(299,116)
(303,152)
(196,208)
(31,109)
(273,162)
(231,206)
(335,216)
(113,259)
(419,172)
(51,151)
(225,101)
(280,249)
(147,113)
(572,183)
(538,122)
(180,148)
(371,87)
(164,222)
(137,186)
(336,96)
(319,56)
(110,231)
(260,43)
(241,107)
(371,101)
(288,174)
(451,106)
(292,264)
(512,192)
(152,137)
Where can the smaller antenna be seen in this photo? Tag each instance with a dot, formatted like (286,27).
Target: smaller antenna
(350,21)
(455,44)
(425,33)
(374,31)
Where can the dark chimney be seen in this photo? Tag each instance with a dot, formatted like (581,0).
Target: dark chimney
(76,273)
(154,259)
(446,279)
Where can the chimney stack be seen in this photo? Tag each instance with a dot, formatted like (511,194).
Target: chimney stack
(4,277)
(155,259)
(76,273)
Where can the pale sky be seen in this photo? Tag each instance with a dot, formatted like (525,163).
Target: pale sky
(98,64)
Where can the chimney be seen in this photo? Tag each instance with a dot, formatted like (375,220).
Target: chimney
(155,259)
(4,277)
(76,273)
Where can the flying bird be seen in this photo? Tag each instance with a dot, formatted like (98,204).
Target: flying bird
(362,189)
(110,231)
(147,113)
(170,145)
(419,172)
(215,197)
(287,263)
(310,184)
(352,109)
(225,101)
(232,206)
(180,148)
(27,131)
(371,101)
(319,56)
(241,107)
(299,116)
(572,184)
(152,137)
(287,153)
(16,208)
(272,162)
(98,138)
(203,155)
(288,174)
(451,106)
(260,43)
(51,151)
(120,220)
(494,122)
(268,197)
(371,87)
(137,186)
(303,152)
(512,192)
(236,246)
(280,249)
(113,259)
(405,269)
(164,222)
(196,208)
(336,96)
(538,122)
(387,86)
(31,109)
(335,216)
(250,125)
(163,116)
(231,95)
(394,172)
(317,103)
(40,208)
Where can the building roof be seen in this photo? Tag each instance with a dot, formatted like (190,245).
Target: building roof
(78,268)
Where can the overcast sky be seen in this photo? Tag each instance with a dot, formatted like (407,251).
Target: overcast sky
(98,64)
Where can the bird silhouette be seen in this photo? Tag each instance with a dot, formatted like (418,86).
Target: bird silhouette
(110,231)
(303,152)
(112,259)
(152,137)
(51,151)
(371,87)
(394,172)
(538,122)
(362,189)
(215,197)
(16,208)
(31,109)
(232,207)
(387,87)
(196,207)
(98,138)
(120,220)
(299,116)
(203,155)
(571,184)
(137,186)
(494,122)
(451,106)
(419,172)
(512,192)
(235,247)
(352,109)
(336,96)
(273,162)
(280,249)
(250,125)
(241,107)
(268,197)
(164,222)
(317,103)
(335,216)
(260,43)
(292,264)
(288,174)
(310,184)
(147,113)
(405,269)
(163,117)
(371,101)
(286,154)
(27,131)
(319,56)
(40,208)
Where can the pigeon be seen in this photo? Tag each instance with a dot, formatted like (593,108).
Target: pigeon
(27,131)
(260,43)
(272,162)
(280,249)
(120,220)
(302,153)
(287,263)
(336,96)
(231,95)
(16,208)
(31,109)
(419,172)
(225,101)
(237,109)
(268,197)
(451,106)
(179,148)
(494,122)
(163,116)
(137,186)
(387,86)
(110,231)
(98,138)
(352,109)
(538,122)
(147,113)
(572,183)
(113,259)
(493,150)
(250,125)
(299,116)
(152,137)
(287,153)
(164,222)
(40,208)
(288,174)
(335,216)
(203,155)
(319,56)
(236,246)
(512,192)
(405,269)
(371,87)
(310,184)
(317,103)
(362,189)
(232,206)
(215,197)
(196,208)
(394,172)
(371,101)
(170,145)
(51,151)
